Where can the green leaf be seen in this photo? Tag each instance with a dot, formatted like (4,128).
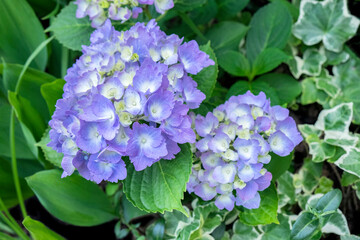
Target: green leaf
(329,202)
(188,5)
(278,165)
(305,226)
(229,8)
(286,189)
(333,58)
(39,231)
(74,200)
(240,87)
(267,60)
(350,237)
(336,119)
(21,33)
(243,231)
(226,35)
(50,154)
(350,161)
(336,224)
(347,179)
(270,27)
(206,79)
(274,231)
(325,185)
(205,13)
(313,61)
(286,87)
(129,211)
(51,92)
(266,213)
(72,32)
(234,63)
(328,21)
(308,176)
(309,91)
(160,187)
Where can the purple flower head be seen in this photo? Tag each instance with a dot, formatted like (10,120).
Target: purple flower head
(128,94)
(101,10)
(233,144)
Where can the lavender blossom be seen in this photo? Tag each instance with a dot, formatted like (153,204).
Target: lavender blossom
(121,98)
(233,144)
(101,10)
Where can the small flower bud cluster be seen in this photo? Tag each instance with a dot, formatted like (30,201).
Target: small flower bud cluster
(128,95)
(233,146)
(120,10)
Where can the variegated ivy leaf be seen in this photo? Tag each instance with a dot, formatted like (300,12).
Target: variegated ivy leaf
(327,83)
(310,64)
(286,189)
(328,21)
(350,161)
(307,179)
(336,223)
(333,58)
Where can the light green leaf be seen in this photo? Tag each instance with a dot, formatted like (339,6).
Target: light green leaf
(267,60)
(277,231)
(39,231)
(266,213)
(229,8)
(21,33)
(286,189)
(270,27)
(347,179)
(313,61)
(206,79)
(234,63)
(305,226)
(327,83)
(308,176)
(328,21)
(70,31)
(286,87)
(160,187)
(51,92)
(226,35)
(336,224)
(333,58)
(329,202)
(325,185)
(74,200)
(350,161)
(243,231)
(336,119)
(50,154)
(309,91)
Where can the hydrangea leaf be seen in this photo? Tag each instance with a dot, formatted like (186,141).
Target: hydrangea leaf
(39,231)
(50,154)
(160,187)
(350,161)
(336,119)
(267,60)
(188,5)
(270,27)
(206,79)
(21,33)
(328,21)
(336,223)
(278,165)
(51,92)
(234,63)
(286,189)
(229,8)
(74,200)
(72,32)
(205,13)
(305,226)
(266,213)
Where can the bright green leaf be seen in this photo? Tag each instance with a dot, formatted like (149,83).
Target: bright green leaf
(74,200)
(51,92)
(50,154)
(267,60)
(234,63)
(39,231)
(305,226)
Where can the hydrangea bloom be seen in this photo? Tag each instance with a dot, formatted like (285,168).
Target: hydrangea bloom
(128,95)
(233,146)
(121,10)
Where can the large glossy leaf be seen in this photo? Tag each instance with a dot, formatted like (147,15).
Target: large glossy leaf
(270,27)
(329,202)
(206,79)
(278,165)
(328,21)
(305,226)
(39,231)
(21,32)
(51,92)
(286,87)
(226,35)
(266,213)
(72,199)
(72,32)
(229,8)
(267,60)
(160,187)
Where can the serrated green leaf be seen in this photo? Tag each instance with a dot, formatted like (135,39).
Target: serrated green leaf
(286,87)
(50,154)
(305,226)
(328,21)
(74,200)
(205,13)
(206,79)
(234,63)
(270,27)
(39,231)
(160,187)
(266,213)
(267,60)
(72,32)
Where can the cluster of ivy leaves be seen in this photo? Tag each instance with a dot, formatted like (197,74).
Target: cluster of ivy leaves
(294,51)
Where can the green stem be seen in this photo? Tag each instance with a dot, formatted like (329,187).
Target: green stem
(12,126)
(64,61)
(192,25)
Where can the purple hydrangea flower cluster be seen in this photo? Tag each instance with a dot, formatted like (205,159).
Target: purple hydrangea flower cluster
(233,145)
(128,95)
(120,10)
